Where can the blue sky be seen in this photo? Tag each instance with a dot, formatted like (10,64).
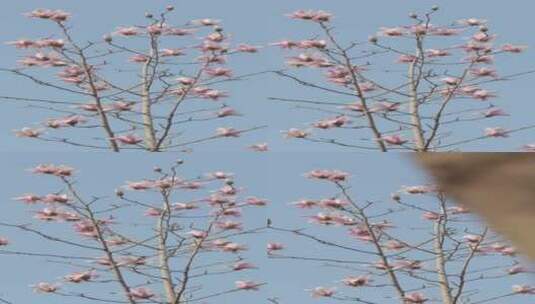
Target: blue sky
(261,22)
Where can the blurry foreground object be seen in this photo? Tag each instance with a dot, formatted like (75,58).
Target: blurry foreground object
(498,186)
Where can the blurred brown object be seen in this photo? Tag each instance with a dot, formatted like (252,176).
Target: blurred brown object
(498,186)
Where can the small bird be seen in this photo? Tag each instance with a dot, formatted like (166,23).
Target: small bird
(268,224)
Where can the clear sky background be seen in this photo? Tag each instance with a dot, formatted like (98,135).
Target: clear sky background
(261,22)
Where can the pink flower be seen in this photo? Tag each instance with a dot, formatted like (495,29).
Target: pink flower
(141,293)
(86,228)
(286,44)
(484,72)
(482,94)
(212,94)
(325,292)
(171,52)
(206,22)
(22,43)
(129,139)
(437,53)
(219,175)
(405,264)
(184,206)
(28,132)
(407,59)
(316,16)
(246,48)
(492,112)
(516,269)
(420,189)
(153,212)
(229,225)
(472,22)
(235,212)
(392,31)
(306,60)
(513,48)
(55,15)
(122,106)
(323,219)
(483,37)
(53,170)
(78,277)
(208,46)
(198,234)
(523,289)
(305,204)
(486,59)
(178,32)
(4,241)
(271,247)
(458,210)
(529,147)
(385,107)
(395,245)
(415,297)
(335,122)
(55,198)
(443,31)
(432,216)
(356,281)
(128,31)
(247,285)
(142,185)
(333,203)
(496,132)
(510,251)
(47,214)
(242,266)
(218,72)
(309,44)
(233,247)
(215,37)
(477,47)
(395,140)
(362,234)
(331,175)
(45,287)
(156,29)
(227,132)
(255,201)
(28,198)
(451,81)
(472,238)
(186,81)
(260,147)
(296,133)
(53,43)
(139,58)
